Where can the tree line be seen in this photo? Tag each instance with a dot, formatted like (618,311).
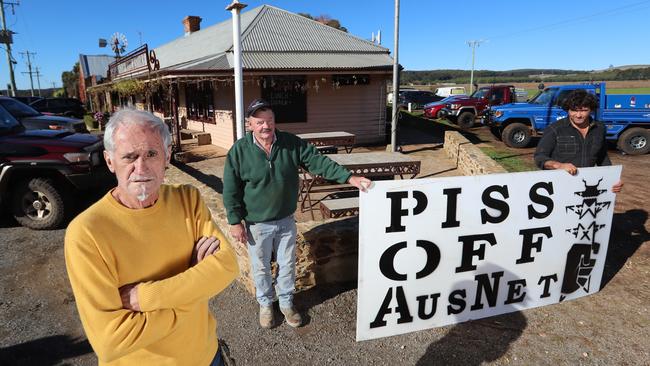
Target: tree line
(522,75)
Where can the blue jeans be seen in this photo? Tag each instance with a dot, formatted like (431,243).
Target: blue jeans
(217,360)
(264,238)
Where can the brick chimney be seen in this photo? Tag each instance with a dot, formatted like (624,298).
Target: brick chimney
(191,24)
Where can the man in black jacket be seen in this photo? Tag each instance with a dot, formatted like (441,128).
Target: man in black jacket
(576,141)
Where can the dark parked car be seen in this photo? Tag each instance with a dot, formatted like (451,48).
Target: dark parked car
(417,98)
(43,173)
(28,100)
(68,107)
(35,120)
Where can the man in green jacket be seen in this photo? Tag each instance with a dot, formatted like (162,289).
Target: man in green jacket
(260,193)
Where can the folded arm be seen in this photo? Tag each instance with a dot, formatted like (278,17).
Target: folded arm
(199,282)
(112,330)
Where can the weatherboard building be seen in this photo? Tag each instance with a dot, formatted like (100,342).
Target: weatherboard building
(318,78)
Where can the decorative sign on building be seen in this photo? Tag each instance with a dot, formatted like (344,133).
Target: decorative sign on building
(434,252)
(135,62)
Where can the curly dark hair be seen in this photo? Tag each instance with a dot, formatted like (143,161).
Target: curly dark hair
(580,99)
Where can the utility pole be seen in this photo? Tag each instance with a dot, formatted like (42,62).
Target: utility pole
(29,67)
(38,80)
(395,109)
(473,44)
(10,60)
(235,8)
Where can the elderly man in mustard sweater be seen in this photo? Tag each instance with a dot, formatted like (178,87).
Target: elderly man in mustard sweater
(145,259)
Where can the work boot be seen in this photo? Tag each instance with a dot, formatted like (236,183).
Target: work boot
(266,316)
(292,317)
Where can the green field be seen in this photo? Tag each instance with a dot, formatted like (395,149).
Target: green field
(629,91)
(533,92)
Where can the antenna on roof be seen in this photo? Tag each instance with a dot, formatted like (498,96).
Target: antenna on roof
(379,36)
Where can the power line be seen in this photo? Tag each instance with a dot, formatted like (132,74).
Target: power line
(473,44)
(38,79)
(10,60)
(29,67)
(571,20)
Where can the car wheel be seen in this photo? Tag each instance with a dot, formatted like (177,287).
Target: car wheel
(38,204)
(516,135)
(635,141)
(465,120)
(441,115)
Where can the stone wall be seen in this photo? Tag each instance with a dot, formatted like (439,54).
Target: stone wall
(470,160)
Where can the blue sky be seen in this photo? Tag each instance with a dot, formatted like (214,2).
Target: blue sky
(568,34)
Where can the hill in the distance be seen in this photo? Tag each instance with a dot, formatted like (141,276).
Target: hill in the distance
(425,77)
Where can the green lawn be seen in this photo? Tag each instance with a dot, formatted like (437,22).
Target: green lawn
(628,91)
(511,162)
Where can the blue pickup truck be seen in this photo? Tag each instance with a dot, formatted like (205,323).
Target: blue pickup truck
(627,117)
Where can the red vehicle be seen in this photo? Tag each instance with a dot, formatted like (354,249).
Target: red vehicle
(463,109)
(42,172)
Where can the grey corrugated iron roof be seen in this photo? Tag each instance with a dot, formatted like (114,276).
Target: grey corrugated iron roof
(279,30)
(272,38)
(95,64)
(290,60)
(206,42)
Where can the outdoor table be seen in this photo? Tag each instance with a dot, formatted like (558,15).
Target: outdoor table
(368,164)
(336,138)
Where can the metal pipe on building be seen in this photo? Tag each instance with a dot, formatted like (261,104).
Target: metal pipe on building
(235,8)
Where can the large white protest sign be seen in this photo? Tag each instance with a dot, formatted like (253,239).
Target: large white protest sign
(440,251)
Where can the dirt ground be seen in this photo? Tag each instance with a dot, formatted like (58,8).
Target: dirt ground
(39,323)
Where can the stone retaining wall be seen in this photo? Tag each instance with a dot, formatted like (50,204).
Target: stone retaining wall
(470,160)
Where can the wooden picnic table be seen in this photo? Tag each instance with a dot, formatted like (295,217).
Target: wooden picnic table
(335,138)
(368,164)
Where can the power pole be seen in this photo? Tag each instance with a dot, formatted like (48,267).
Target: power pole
(38,80)
(10,60)
(473,44)
(29,67)
(395,109)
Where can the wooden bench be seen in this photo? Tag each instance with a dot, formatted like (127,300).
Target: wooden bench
(202,138)
(340,207)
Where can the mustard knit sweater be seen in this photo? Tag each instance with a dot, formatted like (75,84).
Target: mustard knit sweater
(108,246)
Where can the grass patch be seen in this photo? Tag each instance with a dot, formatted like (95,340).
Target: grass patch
(511,162)
(628,91)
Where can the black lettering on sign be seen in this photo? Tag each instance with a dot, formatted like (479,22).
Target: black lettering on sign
(469,252)
(457,298)
(397,212)
(387,262)
(547,284)
(528,244)
(401,308)
(515,288)
(491,291)
(497,204)
(422,302)
(433,258)
(545,201)
(420,202)
(452,207)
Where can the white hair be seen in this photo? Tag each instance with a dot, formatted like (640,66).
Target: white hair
(126,117)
